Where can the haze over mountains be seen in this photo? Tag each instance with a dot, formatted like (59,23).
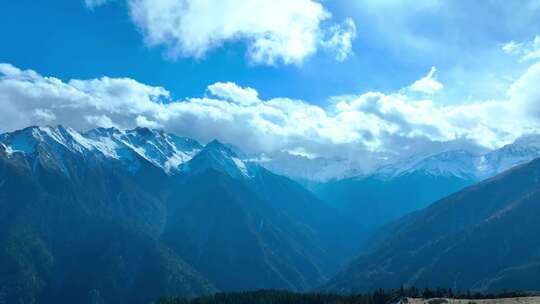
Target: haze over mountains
(466,164)
(126,216)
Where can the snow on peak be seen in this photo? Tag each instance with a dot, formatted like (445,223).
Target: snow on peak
(308,168)
(164,150)
(458,163)
(175,154)
(26,140)
(465,164)
(521,151)
(218,156)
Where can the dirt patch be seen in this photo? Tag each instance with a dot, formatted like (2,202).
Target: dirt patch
(528,300)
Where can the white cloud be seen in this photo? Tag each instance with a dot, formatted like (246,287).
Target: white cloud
(286,31)
(512,47)
(44,115)
(427,84)
(341,38)
(354,126)
(527,51)
(525,92)
(103,121)
(144,122)
(232,92)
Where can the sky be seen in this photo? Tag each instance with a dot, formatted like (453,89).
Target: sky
(321,78)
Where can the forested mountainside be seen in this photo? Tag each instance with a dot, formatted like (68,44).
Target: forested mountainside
(482,238)
(126,216)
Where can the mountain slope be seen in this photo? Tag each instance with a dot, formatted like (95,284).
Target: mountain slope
(448,243)
(395,190)
(74,229)
(124,216)
(412,184)
(246,228)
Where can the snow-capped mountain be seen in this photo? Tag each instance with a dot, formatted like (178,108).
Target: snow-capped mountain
(459,163)
(310,169)
(164,150)
(131,148)
(415,182)
(220,157)
(493,224)
(523,150)
(171,153)
(465,164)
(150,206)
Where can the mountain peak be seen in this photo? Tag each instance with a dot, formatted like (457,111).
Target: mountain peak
(163,150)
(460,163)
(532,140)
(218,156)
(216,145)
(143,132)
(27,139)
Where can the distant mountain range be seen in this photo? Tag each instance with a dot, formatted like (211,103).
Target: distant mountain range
(125,216)
(412,184)
(483,238)
(313,169)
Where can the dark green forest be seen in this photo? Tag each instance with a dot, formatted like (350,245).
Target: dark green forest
(376,297)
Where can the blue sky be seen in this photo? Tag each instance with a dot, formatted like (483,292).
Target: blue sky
(327,75)
(67,39)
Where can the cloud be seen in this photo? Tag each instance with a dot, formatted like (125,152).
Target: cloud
(44,115)
(358,127)
(232,92)
(100,121)
(340,39)
(427,84)
(527,51)
(525,92)
(275,31)
(144,122)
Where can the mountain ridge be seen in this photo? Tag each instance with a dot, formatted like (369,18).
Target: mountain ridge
(447,243)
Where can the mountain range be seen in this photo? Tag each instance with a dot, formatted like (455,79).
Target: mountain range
(411,184)
(125,216)
(483,238)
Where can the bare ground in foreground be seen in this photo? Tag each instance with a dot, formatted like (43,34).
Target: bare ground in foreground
(524,300)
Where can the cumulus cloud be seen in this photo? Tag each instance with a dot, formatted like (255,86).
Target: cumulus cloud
(102,121)
(232,92)
(427,84)
(275,31)
(357,126)
(527,50)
